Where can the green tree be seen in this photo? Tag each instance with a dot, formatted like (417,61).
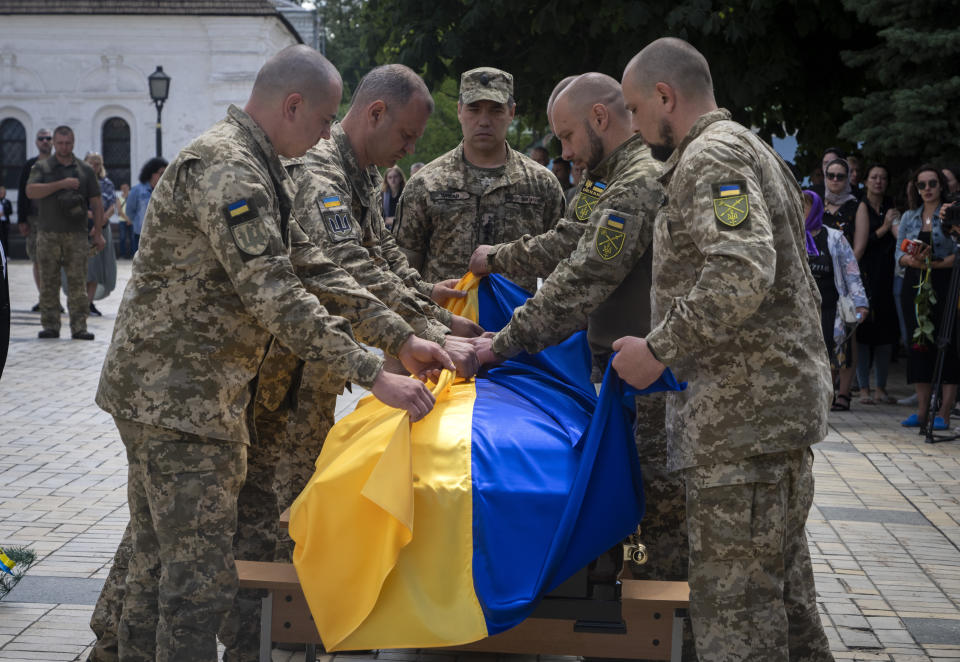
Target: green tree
(905,112)
(776,64)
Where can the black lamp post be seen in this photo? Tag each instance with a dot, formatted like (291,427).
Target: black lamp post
(159,89)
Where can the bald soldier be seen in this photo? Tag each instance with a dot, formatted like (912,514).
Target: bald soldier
(481,192)
(598,262)
(338,206)
(736,314)
(223,273)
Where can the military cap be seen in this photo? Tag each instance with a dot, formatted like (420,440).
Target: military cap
(486,83)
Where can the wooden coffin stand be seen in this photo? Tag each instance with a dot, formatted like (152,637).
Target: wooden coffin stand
(639,619)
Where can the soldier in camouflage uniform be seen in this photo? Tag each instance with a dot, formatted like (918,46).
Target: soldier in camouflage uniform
(65,188)
(736,314)
(223,273)
(481,192)
(598,261)
(338,205)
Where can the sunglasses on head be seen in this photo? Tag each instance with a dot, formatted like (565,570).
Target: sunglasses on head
(933,183)
(837,176)
(44,138)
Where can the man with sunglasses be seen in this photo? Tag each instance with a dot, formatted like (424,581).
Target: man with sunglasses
(27,208)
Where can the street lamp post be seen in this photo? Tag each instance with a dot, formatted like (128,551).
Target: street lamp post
(159,89)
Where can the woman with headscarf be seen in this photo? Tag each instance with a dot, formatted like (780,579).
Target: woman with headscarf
(102,267)
(836,273)
(927,272)
(840,205)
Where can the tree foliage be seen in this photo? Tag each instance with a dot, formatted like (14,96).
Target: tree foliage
(905,113)
(776,64)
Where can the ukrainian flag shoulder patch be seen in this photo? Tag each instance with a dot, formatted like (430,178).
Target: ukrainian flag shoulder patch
(731,204)
(237,208)
(332,201)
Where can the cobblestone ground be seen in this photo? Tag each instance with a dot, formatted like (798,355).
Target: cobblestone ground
(884,533)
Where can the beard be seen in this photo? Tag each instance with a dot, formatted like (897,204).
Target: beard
(662,149)
(596,154)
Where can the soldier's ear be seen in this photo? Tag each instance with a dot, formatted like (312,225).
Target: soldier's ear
(599,116)
(376,112)
(666,95)
(292,104)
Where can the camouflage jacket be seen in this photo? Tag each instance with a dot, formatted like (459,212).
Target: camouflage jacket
(338,206)
(221,272)
(602,274)
(439,222)
(737,310)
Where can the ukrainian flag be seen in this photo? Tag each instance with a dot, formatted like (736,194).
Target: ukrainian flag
(450,529)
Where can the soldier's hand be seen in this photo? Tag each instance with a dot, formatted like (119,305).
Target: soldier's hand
(24,229)
(478,261)
(445,290)
(423,358)
(465,328)
(401,392)
(70,183)
(484,347)
(463,355)
(635,363)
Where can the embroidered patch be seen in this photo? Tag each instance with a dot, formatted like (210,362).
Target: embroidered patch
(521,199)
(445,196)
(336,218)
(610,236)
(248,229)
(587,200)
(731,205)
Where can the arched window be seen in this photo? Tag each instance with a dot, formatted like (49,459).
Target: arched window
(13,152)
(115,147)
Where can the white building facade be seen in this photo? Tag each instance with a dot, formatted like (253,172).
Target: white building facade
(89,71)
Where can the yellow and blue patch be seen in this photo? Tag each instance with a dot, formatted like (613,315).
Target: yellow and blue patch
(332,201)
(610,237)
(587,200)
(237,208)
(731,204)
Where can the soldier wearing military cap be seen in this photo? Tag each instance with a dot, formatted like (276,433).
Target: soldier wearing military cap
(481,192)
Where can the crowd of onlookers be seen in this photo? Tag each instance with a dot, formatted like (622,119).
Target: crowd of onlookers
(884,279)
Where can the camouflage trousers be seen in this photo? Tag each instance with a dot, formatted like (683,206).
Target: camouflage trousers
(31,242)
(105,621)
(281,464)
(182,491)
(70,251)
(752,595)
(307,428)
(663,529)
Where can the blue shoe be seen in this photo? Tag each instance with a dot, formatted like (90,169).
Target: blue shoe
(912,421)
(939,424)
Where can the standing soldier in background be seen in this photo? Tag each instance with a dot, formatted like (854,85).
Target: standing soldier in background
(27,208)
(736,314)
(481,192)
(65,188)
(598,262)
(338,206)
(223,273)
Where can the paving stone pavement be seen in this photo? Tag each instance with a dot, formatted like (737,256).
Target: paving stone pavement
(884,532)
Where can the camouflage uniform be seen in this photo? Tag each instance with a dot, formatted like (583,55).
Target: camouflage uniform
(338,206)
(441,219)
(737,314)
(600,262)
(222,274)
(62,241)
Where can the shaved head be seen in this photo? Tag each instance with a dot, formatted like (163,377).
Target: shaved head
(589,89)
(295,69)
(560,87)
(674,62)
(393,84)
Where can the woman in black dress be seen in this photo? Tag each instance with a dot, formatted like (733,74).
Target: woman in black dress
(878,333)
